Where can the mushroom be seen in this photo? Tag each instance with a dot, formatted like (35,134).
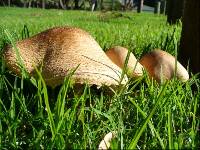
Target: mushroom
(105,143)
(118,55)
(61,49)
(160,65)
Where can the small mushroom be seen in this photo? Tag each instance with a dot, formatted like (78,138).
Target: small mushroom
(160,65)
(105,143)
(61,49)
(118,55)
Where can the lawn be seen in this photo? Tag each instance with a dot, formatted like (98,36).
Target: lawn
(144,114)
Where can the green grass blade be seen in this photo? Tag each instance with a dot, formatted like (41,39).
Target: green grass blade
(170,128)
(1,131)
(19,59)
(151,126)
(46,101)
(143,127)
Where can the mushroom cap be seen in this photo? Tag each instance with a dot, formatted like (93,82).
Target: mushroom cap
(62,49)
(118,56)
(161,65)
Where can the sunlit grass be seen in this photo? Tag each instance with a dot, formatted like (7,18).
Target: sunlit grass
(144,115)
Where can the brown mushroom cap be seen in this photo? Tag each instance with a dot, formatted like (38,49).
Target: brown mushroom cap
(161,65)
(118,55)
(60,50)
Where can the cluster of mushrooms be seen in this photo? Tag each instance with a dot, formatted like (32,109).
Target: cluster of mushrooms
(62,49)
(159,64)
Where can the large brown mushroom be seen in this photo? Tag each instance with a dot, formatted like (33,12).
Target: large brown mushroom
(60,50)
(161,65)
(118,55)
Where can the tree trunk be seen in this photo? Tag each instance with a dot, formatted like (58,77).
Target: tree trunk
(62,5)
(9,3)
(100,4)
(140,6)
(43,4)
(189,45)
(29,3)
(24,4)
(174,10)
(113,3)
(76,4)
(37,4)
(157,7)
(163,7)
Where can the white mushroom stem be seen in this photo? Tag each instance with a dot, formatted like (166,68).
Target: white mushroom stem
(105,143)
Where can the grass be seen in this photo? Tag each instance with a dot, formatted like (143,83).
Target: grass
(144,114)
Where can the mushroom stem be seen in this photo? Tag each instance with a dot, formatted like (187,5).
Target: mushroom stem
(105,143)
